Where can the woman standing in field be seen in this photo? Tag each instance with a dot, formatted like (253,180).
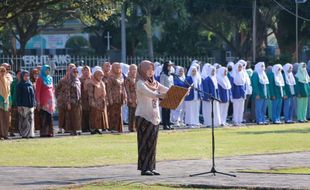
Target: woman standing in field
(25,102)
(4,103)
(148,117)
(45,101)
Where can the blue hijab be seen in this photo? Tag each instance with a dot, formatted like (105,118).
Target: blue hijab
(47,79)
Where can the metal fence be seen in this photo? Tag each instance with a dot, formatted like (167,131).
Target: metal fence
(29,62)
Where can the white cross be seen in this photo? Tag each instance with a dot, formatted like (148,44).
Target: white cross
(108,37)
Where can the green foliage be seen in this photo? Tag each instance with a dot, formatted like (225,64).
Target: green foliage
(77,45)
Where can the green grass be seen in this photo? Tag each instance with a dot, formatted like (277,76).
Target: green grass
(126,186)
(302,171)
(97,150)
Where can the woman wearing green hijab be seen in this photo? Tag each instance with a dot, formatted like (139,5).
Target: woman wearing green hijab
(302,91)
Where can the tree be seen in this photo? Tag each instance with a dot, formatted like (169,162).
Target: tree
(284,29)
(30,22)
(11,9)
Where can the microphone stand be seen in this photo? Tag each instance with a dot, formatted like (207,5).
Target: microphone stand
(213,170)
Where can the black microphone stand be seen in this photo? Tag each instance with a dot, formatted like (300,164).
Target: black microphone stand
(213,170)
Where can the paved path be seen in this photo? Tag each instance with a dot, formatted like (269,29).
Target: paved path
(173,172)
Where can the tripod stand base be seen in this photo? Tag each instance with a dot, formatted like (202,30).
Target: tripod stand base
(214,172)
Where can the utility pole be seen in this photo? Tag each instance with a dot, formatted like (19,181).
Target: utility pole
(254,31)
(296,29)
(123,34)
(296,33)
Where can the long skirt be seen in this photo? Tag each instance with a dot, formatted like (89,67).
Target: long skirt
(192,112)
(85,120)
(224,112)
(14,120)
(125,113)
(99,119)
(131,119)
(46,129)
(63,118)
(238,109)
(115,117)
(177,115)
(147,140)
(37,120)
(207,111)
(4,123)
(302,103)
(75,116)
(26,121)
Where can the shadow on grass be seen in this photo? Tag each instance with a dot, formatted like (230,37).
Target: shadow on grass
(302,131)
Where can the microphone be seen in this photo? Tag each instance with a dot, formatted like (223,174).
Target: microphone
(185,82)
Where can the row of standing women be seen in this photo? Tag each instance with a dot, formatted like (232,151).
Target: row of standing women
(27,103)
(237,86)
(92,102)
(19,98)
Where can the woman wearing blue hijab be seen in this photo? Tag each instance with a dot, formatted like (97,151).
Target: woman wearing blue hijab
(45,101)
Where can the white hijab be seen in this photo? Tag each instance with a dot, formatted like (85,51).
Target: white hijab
(239,76)
(217,65)
(196,78)
(80,68)
(289,77)
(95,69)
(158,70)
(210,69)
(278,77)
(230,64)
(222,79)
(260,69)
(204,73)
(177,72)
(125,68)
(247,77)
(302,74)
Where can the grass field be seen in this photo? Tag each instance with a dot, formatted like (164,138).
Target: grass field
(111,149)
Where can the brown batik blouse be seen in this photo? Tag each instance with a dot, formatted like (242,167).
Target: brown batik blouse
(130,86)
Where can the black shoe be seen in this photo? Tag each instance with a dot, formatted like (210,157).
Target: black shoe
(170,128)
(166,127)
(148,173)
(12,135)
(155,172)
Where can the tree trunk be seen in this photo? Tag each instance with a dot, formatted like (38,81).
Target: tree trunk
(148,30)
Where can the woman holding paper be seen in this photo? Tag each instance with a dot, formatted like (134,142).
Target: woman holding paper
(147,116)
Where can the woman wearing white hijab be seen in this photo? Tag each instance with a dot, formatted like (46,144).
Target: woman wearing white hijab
(260,83)
(248,90)
(158,70)
(289,89)
(177,115)
(276,89)
(204,72)
(302,92)
(238,82)
(210,86)
(192,100)
(224,87)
